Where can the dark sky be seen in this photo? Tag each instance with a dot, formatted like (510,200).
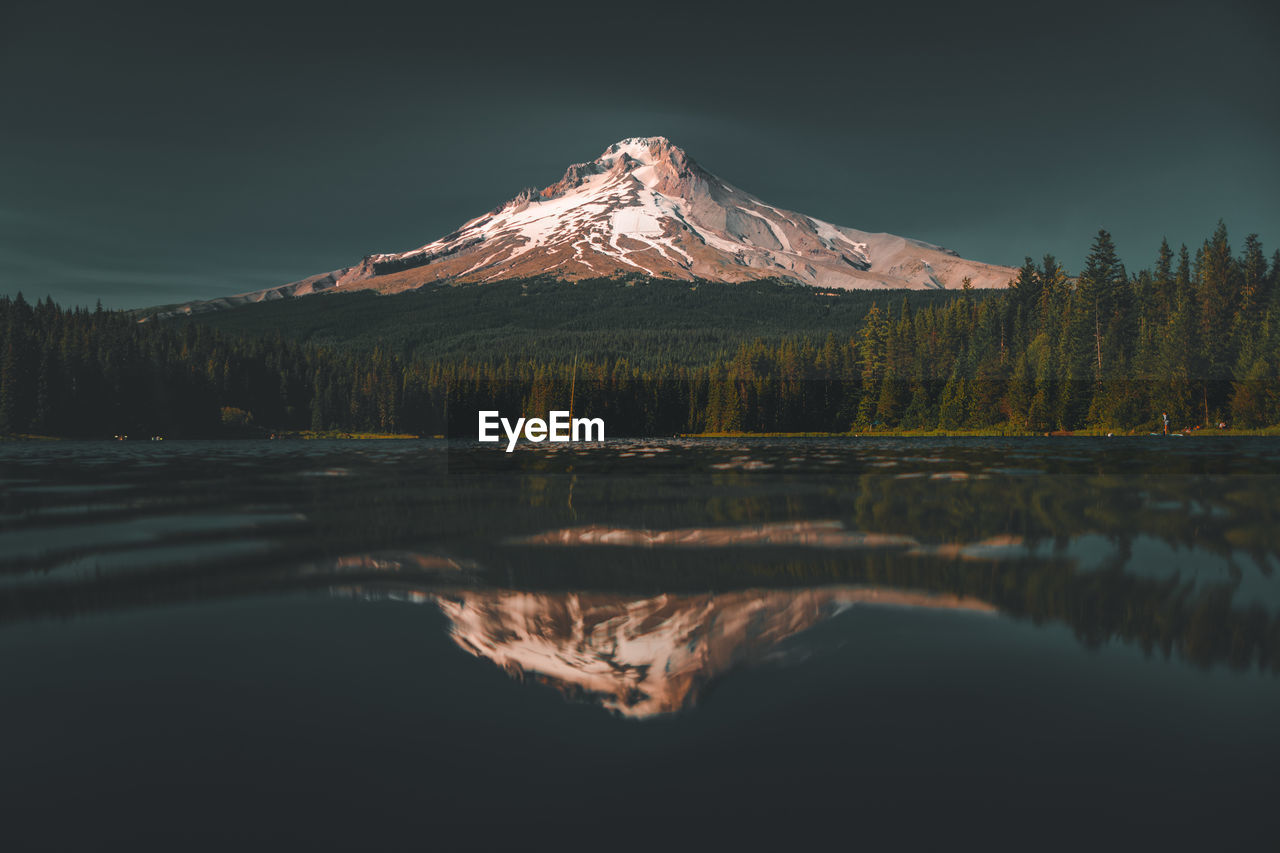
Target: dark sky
(150,154)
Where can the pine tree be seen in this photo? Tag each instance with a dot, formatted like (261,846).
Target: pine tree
(1219,289)
(1253,283)
(953,408)
(1103,291)
(1028,287)
(872,348)
(1162,281)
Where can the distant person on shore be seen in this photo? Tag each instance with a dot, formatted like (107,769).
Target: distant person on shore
(1165,416)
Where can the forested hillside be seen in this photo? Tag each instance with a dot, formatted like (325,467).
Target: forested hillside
(1197,335)
(651,323)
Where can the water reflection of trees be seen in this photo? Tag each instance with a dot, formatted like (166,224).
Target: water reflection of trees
(1165,616)
(1226,516)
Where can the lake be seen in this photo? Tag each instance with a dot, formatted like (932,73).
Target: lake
(642,644)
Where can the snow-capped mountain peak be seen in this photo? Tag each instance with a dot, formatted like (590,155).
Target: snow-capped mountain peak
(645,207)
(645,150)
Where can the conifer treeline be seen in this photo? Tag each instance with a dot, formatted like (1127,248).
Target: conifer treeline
(1197,336)
(100,373)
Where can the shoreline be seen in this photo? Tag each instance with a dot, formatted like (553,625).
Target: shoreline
(1264,432)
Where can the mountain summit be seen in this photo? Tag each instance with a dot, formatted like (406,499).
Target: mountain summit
(645,207)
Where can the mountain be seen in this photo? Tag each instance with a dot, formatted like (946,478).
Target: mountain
(644,207)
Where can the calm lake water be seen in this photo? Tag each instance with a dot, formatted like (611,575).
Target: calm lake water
(671,644)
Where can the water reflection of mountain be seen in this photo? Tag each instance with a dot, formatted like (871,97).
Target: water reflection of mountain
(645,656)
(1174,549)
(1139,593)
